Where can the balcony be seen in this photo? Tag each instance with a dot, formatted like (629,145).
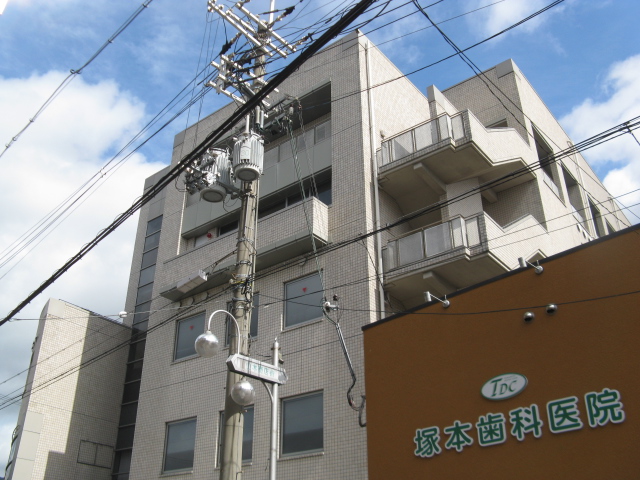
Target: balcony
(281,236)
(415,166)
(456,254)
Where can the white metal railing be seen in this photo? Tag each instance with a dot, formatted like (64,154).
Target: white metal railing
(550,183)
(422,136)
(431,241)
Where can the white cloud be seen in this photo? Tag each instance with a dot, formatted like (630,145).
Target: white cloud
(65,147)
(619,102)
(489,21)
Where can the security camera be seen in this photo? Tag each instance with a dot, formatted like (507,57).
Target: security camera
(528,316)
(551,308)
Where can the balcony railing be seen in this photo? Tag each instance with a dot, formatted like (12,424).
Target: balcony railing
(550,183)
(432,241)
(420,137)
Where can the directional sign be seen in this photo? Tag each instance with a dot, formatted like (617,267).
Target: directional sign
(256,369)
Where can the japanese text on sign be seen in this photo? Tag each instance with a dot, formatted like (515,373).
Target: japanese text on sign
(563,415)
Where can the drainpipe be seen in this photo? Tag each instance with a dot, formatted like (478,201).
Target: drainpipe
(374,169)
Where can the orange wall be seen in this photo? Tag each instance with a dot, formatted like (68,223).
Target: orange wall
(427,368)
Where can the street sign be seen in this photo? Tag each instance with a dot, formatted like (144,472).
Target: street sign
(256,369)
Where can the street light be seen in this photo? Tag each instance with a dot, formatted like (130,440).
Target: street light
(207,345)
(242,392)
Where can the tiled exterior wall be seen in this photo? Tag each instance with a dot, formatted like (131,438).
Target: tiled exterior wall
(193,387)
(313,357)
(550,209)
(79,403)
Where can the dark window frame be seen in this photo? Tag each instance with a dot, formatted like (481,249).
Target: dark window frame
(297,442)
(199,316)
(168,427)
(299,300)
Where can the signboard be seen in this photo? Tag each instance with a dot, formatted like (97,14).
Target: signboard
(256,369)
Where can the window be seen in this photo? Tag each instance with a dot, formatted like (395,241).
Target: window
(154,225)
(179,445)
(187,331)
(136,351)
(323,131)
(597,220)
(121,465)
(545,155)
(228,228)
(134,371)
(149,258)
(321,190)
(146,275)
(128,414)
(253,328)
(131,392)
(91,453)
(324,193)
(124,440)
(141,313)
(247,436)
(144,293)
(152,241)
(303,300)
(302,430)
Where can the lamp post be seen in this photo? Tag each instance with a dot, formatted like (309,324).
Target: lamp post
(242,392)
(207,345)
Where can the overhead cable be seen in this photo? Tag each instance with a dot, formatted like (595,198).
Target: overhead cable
(74,72)
(215,135)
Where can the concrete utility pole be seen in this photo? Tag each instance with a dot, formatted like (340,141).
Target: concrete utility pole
(242,304)
(247,164)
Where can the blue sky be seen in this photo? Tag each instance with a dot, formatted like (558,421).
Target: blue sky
(583,58)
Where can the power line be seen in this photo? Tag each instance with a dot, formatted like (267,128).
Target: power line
(215,135)
(292,299)
(74,73)
(18,246)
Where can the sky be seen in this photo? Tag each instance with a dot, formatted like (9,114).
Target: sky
(582,57)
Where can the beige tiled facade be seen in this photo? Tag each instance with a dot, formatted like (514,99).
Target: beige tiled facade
(524,220)
(68,418)
(482,223)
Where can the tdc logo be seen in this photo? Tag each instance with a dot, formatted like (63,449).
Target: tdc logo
(504,386)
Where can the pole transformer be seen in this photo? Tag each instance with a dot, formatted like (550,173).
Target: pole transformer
(214,177)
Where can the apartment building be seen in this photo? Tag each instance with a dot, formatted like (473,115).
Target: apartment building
(374,192)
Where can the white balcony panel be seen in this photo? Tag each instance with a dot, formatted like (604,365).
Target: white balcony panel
(282,236)
(450,149)
(459,253)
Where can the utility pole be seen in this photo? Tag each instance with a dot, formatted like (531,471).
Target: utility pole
(214,176)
